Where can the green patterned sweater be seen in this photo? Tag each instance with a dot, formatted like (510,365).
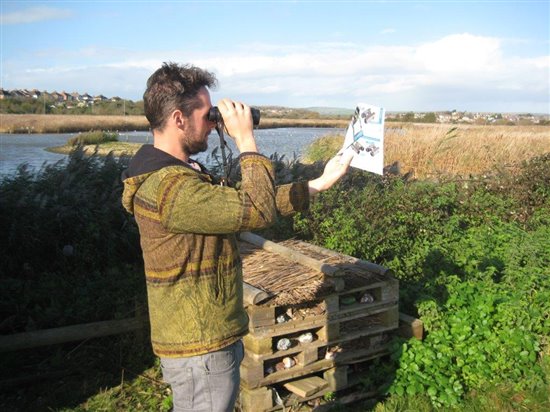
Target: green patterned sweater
(188,227)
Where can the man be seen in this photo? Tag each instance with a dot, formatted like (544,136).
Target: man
(187,227)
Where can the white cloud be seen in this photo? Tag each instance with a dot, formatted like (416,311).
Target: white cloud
(460,68)
(387,31)
(461,54)
(35,14)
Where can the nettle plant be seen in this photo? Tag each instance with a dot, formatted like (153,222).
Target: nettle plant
(473,339)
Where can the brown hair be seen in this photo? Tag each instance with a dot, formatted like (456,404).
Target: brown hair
(174,87)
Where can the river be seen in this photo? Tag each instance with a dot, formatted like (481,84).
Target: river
(17,149)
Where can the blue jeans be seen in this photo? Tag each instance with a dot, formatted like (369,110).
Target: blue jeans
(205,383)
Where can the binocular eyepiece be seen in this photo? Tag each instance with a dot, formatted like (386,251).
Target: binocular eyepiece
(214,115)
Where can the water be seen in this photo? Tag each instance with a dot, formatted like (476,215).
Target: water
(17,149)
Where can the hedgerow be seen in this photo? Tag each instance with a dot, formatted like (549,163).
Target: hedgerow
(473,263)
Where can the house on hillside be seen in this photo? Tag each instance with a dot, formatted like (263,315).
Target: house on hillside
(4,94)
(99,98)
(56,97)
(27,94)
(17,94)
(66,97)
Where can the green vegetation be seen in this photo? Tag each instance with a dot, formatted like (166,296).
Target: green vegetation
(70,255)
(323,148)
(412,117)
(472,259)
(93,137)
(471,256)
(39,106)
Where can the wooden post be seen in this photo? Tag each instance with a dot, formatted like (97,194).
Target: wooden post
(253,295)
(46,337)
(337,377)
(410,327)
(291,254)
(371,267)
(254,400)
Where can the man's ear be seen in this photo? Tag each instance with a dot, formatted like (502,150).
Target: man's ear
(178,118)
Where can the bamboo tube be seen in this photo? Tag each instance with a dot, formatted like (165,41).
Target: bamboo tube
(291,254)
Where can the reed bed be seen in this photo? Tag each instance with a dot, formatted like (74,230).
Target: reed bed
(291,283)
(288,282)
(58,123)
(439,150)
(461,150)
(52,123)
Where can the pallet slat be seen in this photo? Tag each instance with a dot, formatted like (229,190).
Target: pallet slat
(307,386)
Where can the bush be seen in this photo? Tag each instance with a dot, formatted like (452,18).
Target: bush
(69,252)
(93,138)
(323,148)
(472,260)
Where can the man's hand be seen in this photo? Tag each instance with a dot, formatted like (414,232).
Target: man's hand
(334,170)
(238,123)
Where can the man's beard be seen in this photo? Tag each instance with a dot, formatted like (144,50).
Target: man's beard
(193,144)
(193,147)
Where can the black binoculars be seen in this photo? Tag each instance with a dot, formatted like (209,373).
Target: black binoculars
(214,115)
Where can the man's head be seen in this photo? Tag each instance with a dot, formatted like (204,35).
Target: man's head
(174,87)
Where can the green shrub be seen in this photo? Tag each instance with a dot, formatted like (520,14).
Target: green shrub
(323,148)
(93,137)
(69,252)
(472,259)
(476,338)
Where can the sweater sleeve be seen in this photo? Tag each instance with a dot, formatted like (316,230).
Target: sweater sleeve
(292,198)
(189,204)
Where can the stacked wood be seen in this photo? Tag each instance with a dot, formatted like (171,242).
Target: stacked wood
(320,312)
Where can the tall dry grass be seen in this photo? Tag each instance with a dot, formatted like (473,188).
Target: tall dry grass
(439,150)
(52,123)
(58,123)
(436,150)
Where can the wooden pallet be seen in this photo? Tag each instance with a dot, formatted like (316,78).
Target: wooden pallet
(294,272)
(313,386)
(362,320)
(348,306)
(263,318)
(346,341)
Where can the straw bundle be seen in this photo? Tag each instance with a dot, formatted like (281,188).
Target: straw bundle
(292,283)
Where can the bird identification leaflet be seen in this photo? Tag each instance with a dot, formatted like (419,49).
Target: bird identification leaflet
(365,138)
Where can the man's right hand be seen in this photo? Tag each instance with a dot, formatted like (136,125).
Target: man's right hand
(237,119)
(334,170)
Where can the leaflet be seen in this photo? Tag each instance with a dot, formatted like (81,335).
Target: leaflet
(365,138)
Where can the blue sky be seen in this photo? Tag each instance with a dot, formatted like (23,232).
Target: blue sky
(402,55)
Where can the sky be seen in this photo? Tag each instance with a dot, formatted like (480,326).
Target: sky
(478,56)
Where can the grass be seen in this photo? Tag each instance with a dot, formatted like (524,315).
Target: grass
(103,149)
(93,137)
(435,150)
(52,123)
(423,150)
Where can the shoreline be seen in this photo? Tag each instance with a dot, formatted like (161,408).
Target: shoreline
(116,149)
(59,123)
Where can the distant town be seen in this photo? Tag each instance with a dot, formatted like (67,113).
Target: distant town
(55,98)
(63,102)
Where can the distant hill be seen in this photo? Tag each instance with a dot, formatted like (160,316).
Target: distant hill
(337,111)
